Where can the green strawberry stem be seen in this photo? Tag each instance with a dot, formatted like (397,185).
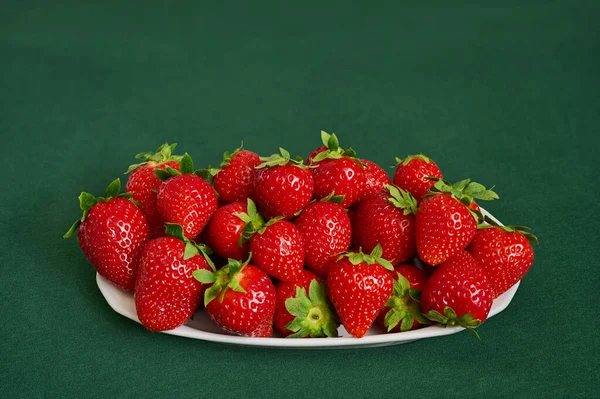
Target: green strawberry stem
(464,191)
(281,159)
(186,166)
(334,151)
(370,259)
(449,318)
(163,154)
(191,248)
(404,306)
(402,199)
(409,158)
(255,222)
(87,202)
(524,230)
(223,279)
(313,315)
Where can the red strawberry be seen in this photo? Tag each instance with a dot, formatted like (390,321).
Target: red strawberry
(359,286)
(505,254)
(241,299)
(387,218)
(326,231)
(111,234)
(282,186)
(337,172)
(402,311)
(185,198)
(225,229)
(376,178)
(234,179)
(411,174)
(458,293)
(143,183)
(445,224)
(302,308)
(278,249)
(166,293)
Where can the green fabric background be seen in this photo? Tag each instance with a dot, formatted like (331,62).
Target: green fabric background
(503,92)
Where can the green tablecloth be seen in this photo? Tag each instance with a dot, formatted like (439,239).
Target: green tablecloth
(505,93)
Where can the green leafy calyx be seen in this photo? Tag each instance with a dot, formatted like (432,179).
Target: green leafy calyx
(255,222)
(465,191)
(449,318)
(191,248)
(402,199)
(333,151)
(228,277)
(281,159)
(410,158)
(524,230)
(370,259)
(313,316)
(163,154)
(403,306)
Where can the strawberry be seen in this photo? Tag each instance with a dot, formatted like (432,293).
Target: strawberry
(240,299)
(445,224)
(277,246)
(412,172)
(143,183)
(359,286)
(386,218)
(278,250)
(184,198)
(458,293)
(326,230)
(376,178)
(111,234)
(302,308)
(402,311)
(282,186)
(504,252)
(166,294)
(337,172)
(224,231)
(234,178)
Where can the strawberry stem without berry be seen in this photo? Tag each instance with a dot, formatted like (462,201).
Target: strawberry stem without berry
(524,230)
(313,315)
(87,202)
(163,154)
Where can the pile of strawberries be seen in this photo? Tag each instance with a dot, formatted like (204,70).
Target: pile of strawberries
(302,247)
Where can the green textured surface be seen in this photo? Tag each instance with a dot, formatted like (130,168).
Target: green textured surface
(503,93)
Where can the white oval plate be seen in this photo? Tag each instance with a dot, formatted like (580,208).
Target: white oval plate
(203,328)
